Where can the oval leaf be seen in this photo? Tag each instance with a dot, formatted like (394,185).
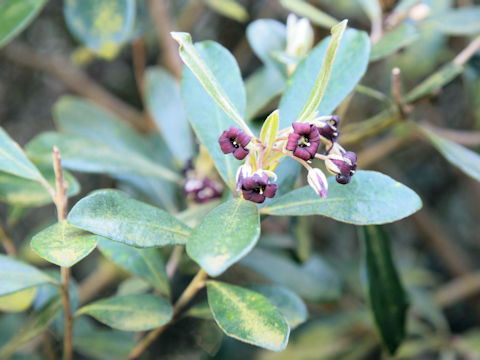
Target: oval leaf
(400,37)
(348,68)
(315,15)
(370,198)
(147,264)
(224,236)
(16,276)
(63,245)
(205,115)
(247,316)
(114,215)
(265,37)
(15,16)
(18,301)
(102,26)
(464,21)
(130,312)
(387,298)
(286,301)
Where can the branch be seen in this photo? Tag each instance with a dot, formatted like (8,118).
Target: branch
(459,289)
(76,80)
(7,243)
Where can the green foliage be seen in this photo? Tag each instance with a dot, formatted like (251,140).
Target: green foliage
(396,39)
(370,198)
(315,15)
(18,301)
(458,21)
(114,215)
(247,316)
(387,298)
(225,235)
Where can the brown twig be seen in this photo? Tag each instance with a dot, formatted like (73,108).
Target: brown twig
(163,26)
(196,284)
(397,93)
(464,137)
(381,149)
(61,200)
(459,289)
(7,243)
(75,79)
(139,63)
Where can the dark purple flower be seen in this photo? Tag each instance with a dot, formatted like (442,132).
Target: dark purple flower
(234,141)
(304,140)
(256,187)
(342,165)
(328,128)
(202,190)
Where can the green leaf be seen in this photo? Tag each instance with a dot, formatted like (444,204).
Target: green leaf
(147,264)
(114,215)
(15,16)
(102,26)
(465,159)
(13,159)
(387,298)
(463,21)
(312,13)
(18,301)
(286,301)
(33,327)
(224,236)
(162,96)
(136,312)
(349,66)
(16,275)
(370,198)
(247,316)
(63,244)
(27,193)
(229,8)
(82,154)
(268,134)
(267,36)
(199,65)
(315,280)
(372,8)
(394,40)
(205,115)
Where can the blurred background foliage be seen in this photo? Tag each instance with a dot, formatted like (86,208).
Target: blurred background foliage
(436,250)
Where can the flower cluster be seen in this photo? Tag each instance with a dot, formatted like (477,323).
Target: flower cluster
(302,141)
(199,187)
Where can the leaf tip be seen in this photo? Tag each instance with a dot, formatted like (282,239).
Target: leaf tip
(181,37)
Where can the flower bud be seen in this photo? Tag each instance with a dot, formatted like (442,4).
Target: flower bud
(328,128)
(317,180)
(343,166)
(299,36)
(244,171)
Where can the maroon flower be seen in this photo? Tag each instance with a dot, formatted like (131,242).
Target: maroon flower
(202,190)
(343,166)
(328,129)
(256,188)
(234,141)
(304,140)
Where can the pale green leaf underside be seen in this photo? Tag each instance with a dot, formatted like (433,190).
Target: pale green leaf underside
(247,316)
(63,245)
(114,215)
(224,236)
(370,198)
(136,312)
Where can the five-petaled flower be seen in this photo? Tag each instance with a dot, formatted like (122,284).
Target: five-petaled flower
(328,128)
(304,140)
(343,164)
(257,187)
(234,141)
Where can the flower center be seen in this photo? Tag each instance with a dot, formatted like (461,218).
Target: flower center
(259,190)
(303,142)
(234,143)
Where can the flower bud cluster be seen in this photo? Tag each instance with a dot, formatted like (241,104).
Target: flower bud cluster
(200,188)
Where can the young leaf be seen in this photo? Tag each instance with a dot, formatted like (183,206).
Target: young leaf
(224,236)
(394,40)
(147,264)
(464,21)
(314,281)
(247,316)
(265,37)
(37,322)
(162,96)
(315,15)
(269,130)
(16,276)
(136,312)
(13,159)
(27,193)
(18,301)
(322,80)
(114,215)
(465,159)
(63,245)
(198,66)
(205,115)
(349,66)
(15,16)
(370,198)
(387,298)
(286,301)
(102,26)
